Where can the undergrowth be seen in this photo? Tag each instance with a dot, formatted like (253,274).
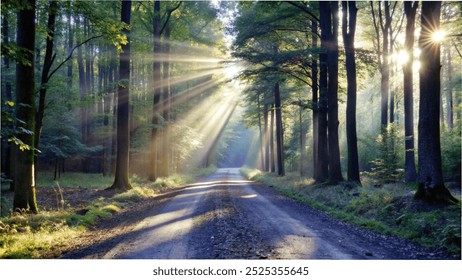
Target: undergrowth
(24,235)
(389,209)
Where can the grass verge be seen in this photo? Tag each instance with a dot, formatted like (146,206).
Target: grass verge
(389,209)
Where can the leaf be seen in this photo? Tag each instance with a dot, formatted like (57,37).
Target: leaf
(9,103)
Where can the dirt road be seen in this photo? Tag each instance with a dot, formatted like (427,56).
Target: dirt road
(227,217)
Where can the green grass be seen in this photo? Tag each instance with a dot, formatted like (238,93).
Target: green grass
(389,209)
(74,179)
(24,235)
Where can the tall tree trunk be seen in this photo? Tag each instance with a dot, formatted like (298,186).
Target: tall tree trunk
(314,92)
(431,183)
(271,142)
(8,149)
(266,166)
(449,93)
(153,171)
(410,174)
(48,61)
(24,192)
(322,167)
(82,88)
(70,46)
(303,132)
(385,69)
(260,133)
(164,164)
(335,171)
(279,131)
(121,180)
(348,30)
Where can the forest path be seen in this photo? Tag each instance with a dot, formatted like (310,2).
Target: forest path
(227,217)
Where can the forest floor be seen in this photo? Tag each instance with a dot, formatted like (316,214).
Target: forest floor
(222,217)
(226,217)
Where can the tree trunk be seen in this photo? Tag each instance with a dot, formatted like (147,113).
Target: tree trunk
(164,164)
(156,110)
(431,184)
(271,142)
(303,132)
(314,92)
(322,167)
(262,158)
(348,29)
(385,69)
(48,61)
(7,148)
(266,136)
(279,131)
(82,88)
(410,174)
(335,171)
(24,193)
(449,88)
(121,180)
(70,46)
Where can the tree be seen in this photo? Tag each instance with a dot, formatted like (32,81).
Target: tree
(279,131)
(410,174)
(431,183)
(121,180)
(322,165)
(335,172)
(24,191)
(47,63)
(349,12)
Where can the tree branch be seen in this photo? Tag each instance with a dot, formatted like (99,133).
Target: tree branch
(169,13)
(303,8)
(70,55)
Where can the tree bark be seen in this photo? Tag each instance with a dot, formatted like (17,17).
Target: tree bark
(431,183)
(48,61)
(266,138)
(156,110)
(70,46)
(314,92)
(348,30)
(271,142)
(410,174)
(303,132)
(279,131)
(260,134)
(121,180)
(335,171)
(322,167)
(164,164)
(385,69)
(24,193)
(449,91)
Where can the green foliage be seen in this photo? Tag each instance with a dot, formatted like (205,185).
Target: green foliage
(451,153)
(387,168)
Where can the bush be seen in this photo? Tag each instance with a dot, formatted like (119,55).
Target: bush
(387,167)
(450,154)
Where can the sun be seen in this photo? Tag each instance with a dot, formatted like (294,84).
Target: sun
(438,36)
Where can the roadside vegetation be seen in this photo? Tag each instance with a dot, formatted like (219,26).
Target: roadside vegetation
(388,208)
(73,204)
